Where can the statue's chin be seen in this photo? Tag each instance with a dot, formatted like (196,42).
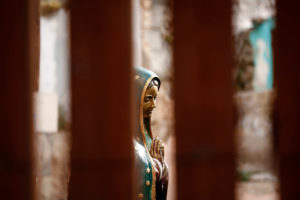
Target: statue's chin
(147,115)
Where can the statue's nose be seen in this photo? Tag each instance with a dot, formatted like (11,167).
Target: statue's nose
(153,104)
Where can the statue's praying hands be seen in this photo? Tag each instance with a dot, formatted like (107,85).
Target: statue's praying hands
(157,150)
(162,178)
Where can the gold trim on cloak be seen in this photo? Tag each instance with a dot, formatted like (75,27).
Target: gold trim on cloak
(143,135)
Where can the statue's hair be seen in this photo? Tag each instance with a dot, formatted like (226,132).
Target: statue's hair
(154,82)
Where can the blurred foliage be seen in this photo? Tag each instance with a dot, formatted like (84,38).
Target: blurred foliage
(245,176)
(244,62)
(62,121)
(169,39)
(49,7)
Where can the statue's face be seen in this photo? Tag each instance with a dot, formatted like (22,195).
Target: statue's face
(150,101)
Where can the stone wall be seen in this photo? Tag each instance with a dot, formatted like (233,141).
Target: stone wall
(156,47)
(52,147)
(156,37)
(254,127)
(53,171)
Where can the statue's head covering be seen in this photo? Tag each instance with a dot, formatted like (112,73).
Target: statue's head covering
(143,77)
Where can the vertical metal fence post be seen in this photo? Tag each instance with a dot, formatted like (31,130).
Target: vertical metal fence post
(204,99)
(18,58)
(287,65)
(101,79)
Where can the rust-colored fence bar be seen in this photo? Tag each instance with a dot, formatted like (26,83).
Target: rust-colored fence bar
(18,59)
(101,77)
(204,99)
(287,119)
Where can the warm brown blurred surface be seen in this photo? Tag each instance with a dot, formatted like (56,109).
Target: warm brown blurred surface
(288,108)
(101,80)
(203,99)
(18,59)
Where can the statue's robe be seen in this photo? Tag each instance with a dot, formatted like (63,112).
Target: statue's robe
(152,174)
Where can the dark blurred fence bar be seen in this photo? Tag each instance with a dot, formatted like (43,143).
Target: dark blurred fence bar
(204,99)
(101,77)
(287,62)
(18,61)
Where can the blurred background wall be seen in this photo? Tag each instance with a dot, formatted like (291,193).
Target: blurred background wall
(52,102)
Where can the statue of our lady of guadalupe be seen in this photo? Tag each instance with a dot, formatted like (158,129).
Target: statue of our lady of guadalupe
(152,171)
